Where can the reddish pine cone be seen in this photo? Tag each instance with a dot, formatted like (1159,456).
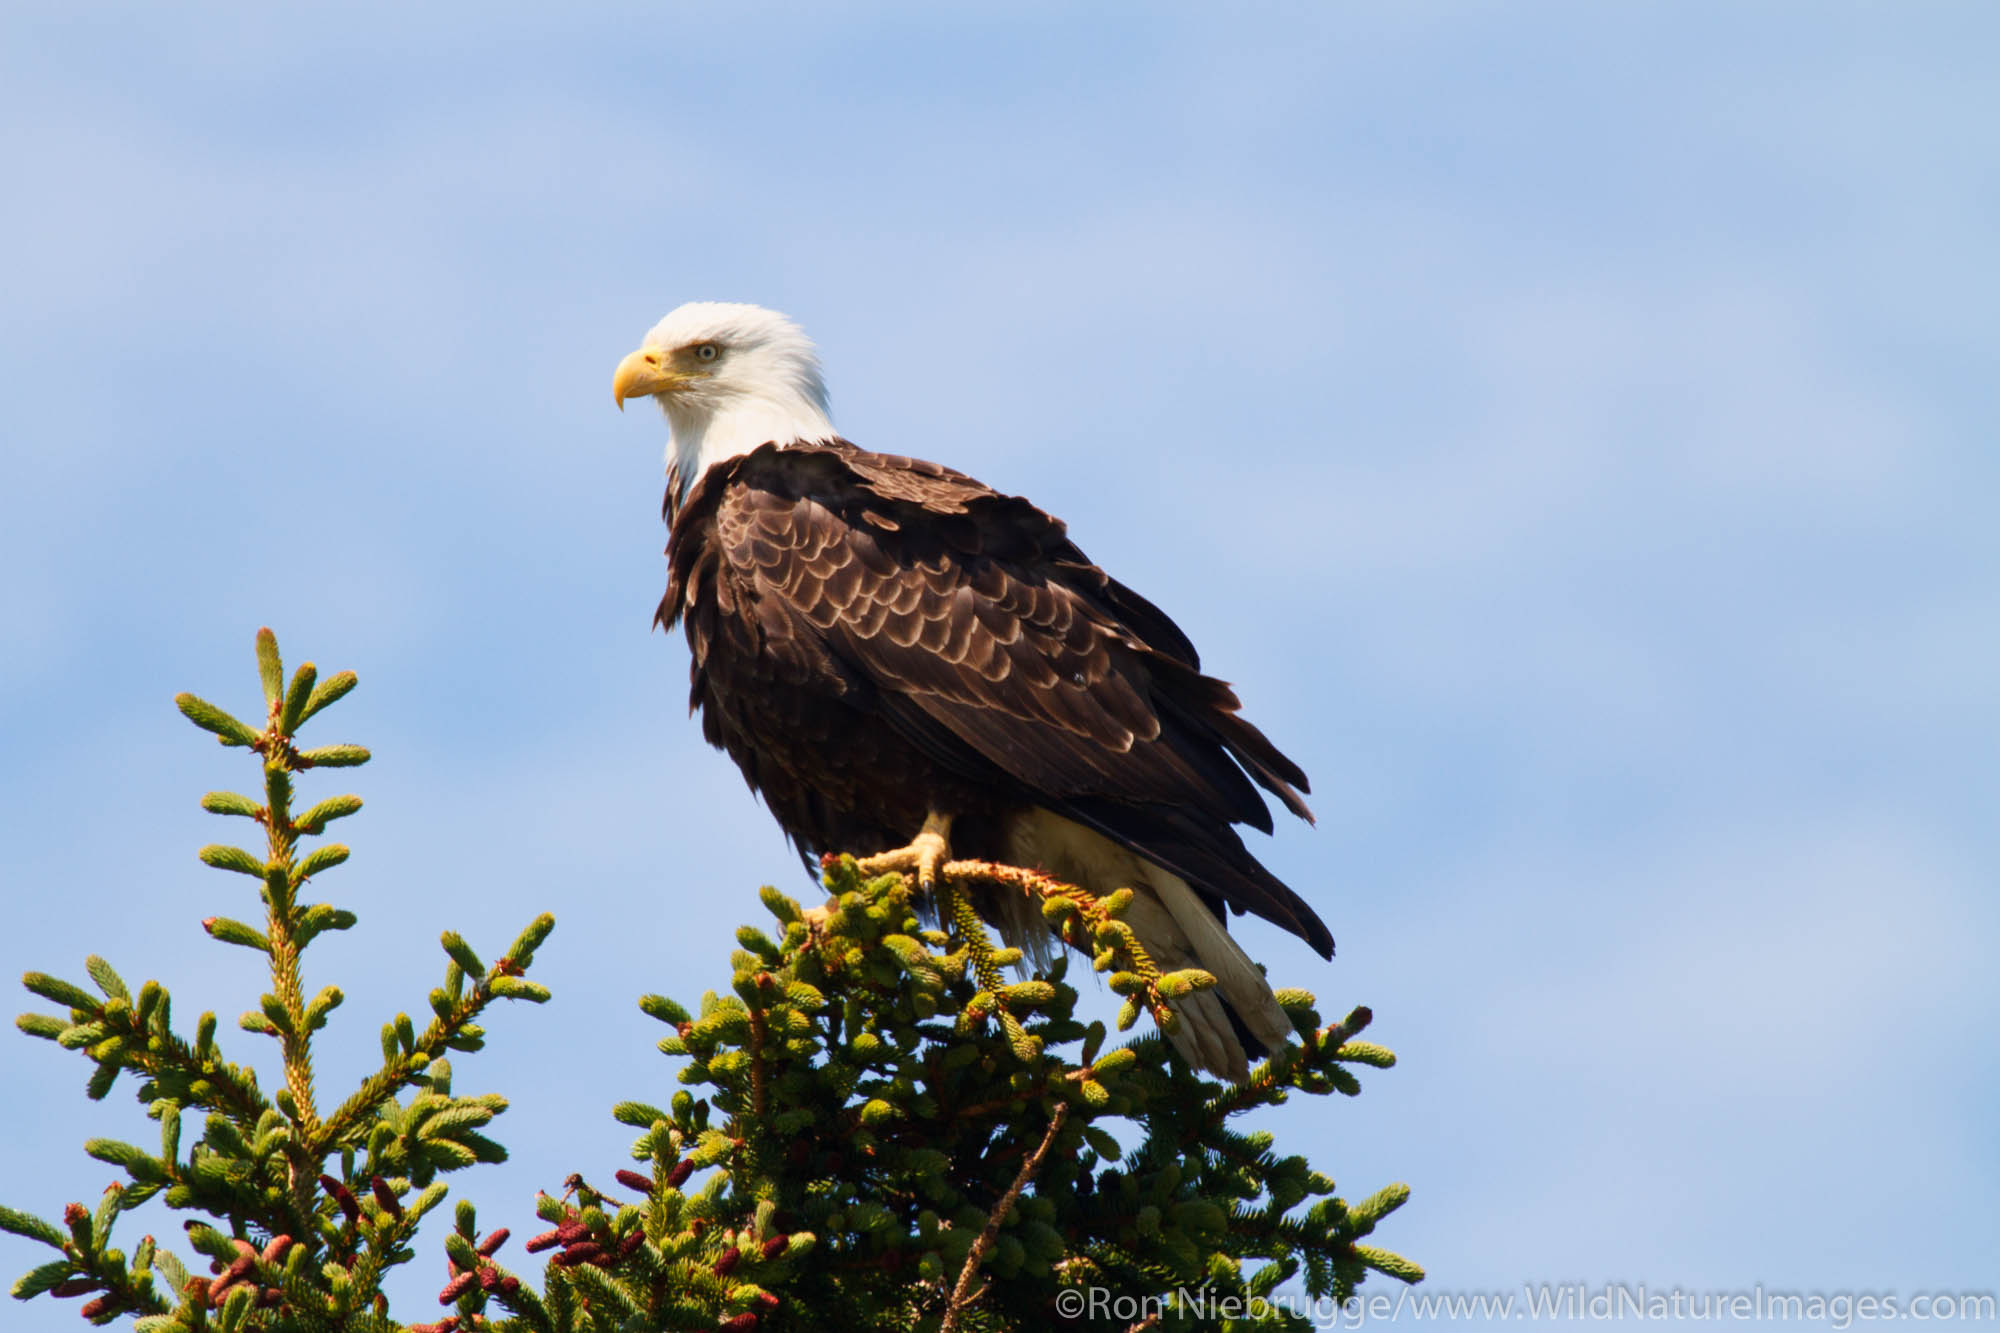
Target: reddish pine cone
(583,1252)
(343,1196)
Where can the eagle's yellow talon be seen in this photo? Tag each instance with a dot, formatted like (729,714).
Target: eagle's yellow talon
(923,858)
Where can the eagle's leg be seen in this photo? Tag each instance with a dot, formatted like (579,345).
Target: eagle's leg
(929,850)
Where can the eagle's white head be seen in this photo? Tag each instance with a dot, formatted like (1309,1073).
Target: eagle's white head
(730,377)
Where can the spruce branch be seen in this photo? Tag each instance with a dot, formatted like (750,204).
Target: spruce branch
(291,1242)
(452,1019)
(1081,920)
(962,1294)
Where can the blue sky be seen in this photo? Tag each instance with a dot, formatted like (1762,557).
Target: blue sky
(1571,426)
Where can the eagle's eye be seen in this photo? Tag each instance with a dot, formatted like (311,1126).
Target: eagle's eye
(707,351)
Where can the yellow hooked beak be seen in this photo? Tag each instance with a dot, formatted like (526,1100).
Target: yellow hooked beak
(643,372)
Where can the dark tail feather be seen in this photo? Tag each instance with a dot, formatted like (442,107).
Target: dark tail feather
(1211,859)
(1253,1047)
(1210,707)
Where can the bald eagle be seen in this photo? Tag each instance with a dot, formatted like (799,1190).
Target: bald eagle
(899,657)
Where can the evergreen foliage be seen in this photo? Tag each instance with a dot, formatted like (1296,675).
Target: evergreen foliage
(878,1128)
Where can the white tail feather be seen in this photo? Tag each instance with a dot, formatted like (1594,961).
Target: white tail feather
(1239,979)
(1173,925)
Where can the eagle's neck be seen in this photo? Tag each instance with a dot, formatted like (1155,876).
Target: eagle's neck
(703,439)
